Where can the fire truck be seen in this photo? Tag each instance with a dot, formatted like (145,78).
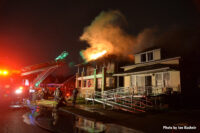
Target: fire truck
(15,87)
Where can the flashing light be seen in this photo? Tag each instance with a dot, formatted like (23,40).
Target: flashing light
(67,94)
(4,72)
(20,88)
(26,82)
(18,91)
(31,90)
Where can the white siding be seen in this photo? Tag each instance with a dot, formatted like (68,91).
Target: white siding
(175,80)
(126,81)
(157,54)
(137,59)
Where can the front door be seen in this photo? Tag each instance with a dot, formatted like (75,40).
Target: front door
(148,84)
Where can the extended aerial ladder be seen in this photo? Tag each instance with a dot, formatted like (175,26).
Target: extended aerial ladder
(45,69)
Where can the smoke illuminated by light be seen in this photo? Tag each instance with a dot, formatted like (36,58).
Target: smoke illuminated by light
(108,32)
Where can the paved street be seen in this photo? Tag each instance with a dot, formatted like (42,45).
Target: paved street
(16,121)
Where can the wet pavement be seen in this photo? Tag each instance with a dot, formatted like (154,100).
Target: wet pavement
(63,122)
(17,120)
(90,119)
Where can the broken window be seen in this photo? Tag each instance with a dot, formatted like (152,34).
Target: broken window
(109,82)
(90,83)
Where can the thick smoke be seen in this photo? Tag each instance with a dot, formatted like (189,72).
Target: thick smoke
(107,32)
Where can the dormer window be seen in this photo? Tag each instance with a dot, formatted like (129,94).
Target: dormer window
(143,57)
(148,56)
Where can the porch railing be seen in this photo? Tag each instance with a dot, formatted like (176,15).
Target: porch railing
(121,98)
(148,90)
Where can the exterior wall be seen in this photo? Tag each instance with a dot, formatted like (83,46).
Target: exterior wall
(98,76)
(110,67)
(153,80)
(174,61)
(137,59)
(157,54)
(175,81)
(84,92)
(127,81)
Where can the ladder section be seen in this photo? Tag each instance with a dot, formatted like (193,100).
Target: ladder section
(36,82)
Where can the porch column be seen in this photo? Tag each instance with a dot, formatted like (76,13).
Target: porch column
(95,79)
(103,79)
(117,81)
(82,74)
(77,85)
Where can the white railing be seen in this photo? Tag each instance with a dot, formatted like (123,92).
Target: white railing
(149,90)
(122,98)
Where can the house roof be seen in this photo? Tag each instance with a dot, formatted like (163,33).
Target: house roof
(99,60)
(148,49)
(151,62)
(148,69)
(105,58)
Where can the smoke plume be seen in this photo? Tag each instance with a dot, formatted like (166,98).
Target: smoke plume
(107,33)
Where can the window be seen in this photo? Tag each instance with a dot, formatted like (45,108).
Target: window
(99,83)
(79,83)
(140,81)
(150,56)
(143,57)
(84,83)
(159,81)
(109,82)
(90,83)
(166,78)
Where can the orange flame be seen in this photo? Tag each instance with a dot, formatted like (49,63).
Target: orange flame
(97,55)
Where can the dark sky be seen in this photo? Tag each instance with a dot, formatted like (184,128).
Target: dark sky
(35,31)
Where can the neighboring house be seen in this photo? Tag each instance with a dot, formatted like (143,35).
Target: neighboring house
(97,75)
(152,74)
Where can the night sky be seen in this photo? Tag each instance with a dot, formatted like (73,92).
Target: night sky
(36,31)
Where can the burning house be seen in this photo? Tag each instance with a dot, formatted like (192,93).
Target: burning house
(97,75)
(152,74)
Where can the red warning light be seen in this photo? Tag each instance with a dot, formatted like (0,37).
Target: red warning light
(4,72)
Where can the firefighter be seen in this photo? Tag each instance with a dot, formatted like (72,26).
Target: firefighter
(59,98)
(57,94)
(75,93)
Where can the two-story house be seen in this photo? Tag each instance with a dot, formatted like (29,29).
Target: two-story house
(152,74)
(97,75)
